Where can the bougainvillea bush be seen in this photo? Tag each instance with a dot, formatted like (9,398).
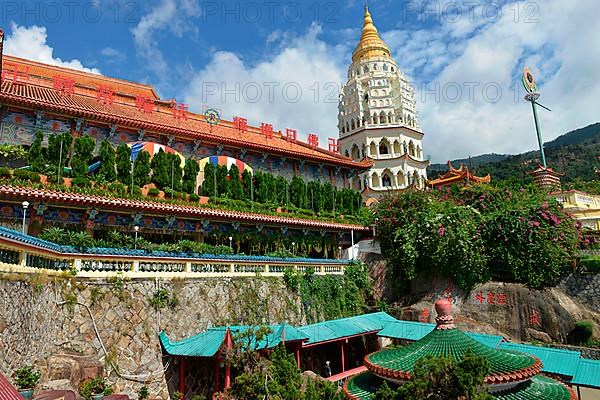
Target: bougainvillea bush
(476,234)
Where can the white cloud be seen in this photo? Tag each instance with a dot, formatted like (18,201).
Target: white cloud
(113,55)
(167,15)
(562,48)
(30,43)
(303,64)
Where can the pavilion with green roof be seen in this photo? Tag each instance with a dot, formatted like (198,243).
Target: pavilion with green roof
(513,376)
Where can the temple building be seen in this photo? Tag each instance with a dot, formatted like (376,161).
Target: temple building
(457,176)
(51,100)
(513,375)
(378,120)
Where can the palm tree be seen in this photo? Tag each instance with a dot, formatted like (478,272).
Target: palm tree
(55,235)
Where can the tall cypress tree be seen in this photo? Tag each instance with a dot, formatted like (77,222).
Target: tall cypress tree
(190,174)
(223,184)
(53,152)
(237,190)
(209,183)
(107,161)
(141,169)
(124,163)
(247,184)
(84,148)
(161,170)
(174,171)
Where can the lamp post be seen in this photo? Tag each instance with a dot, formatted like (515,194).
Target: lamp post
(340,252)
(25,204)
(294,248)
(136,229)
(231,242)
(1,51)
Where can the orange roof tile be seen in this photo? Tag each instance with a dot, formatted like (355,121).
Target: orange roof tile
(39,93)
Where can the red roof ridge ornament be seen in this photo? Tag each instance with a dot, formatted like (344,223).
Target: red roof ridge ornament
(444,319)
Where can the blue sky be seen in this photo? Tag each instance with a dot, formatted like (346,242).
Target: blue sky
(231,54)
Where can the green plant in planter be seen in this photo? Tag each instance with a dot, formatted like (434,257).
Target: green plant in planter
(26,379)
(95,388)
(153,192)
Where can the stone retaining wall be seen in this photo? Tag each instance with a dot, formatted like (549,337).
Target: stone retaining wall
(113,321)
(585,288)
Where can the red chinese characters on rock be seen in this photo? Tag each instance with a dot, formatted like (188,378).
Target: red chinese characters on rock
(180,111)
(105,95)
(534,318)
(63,85)
(313,140)
(491,298)
(241,124)
(334,145)
(144,104)
(290,135)
(266,130)
(16,73)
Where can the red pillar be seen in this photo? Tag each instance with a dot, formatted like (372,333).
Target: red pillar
(298,354)
(182,375)
(342,348)
(227,376)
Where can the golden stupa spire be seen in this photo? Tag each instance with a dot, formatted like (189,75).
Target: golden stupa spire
(370,45)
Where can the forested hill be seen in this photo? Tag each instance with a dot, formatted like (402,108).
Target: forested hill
(576,153)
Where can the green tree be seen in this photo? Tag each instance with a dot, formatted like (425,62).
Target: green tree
(36,157)
(107,161)
(237,190)
(175,171)
(209,182)
(327,194)
(124,163)
(298,192)
(190,174)
(141,169)
(53,151)
(247,184)
(223,184)
(84,148)
(281,191)
(161,170)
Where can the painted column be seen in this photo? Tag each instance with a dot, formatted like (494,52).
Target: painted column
(182,375)
(298,354)
(217,362)
(343,356)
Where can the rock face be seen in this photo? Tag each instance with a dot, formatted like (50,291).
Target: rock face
(73,329)
(585,288)
(511,310)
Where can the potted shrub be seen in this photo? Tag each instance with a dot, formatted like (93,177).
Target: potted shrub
(143,393)
(26,378)
(95,389)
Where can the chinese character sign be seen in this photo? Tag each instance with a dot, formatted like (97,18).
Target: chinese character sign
(424,316)
(334,145)
(17,74)
(290,135)
(104,95)
(63,85)
(313,140)
(144,104)
(490,298)
(241,124)
(534,318)
(266,130)
(180,111)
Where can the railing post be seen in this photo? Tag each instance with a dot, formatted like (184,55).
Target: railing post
(77,263)
(231,268)
(23,258)
(188,267)
(136,266)
(266,268)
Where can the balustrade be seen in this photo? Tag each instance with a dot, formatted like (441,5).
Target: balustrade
(9,256)
(94,265)
(35,261)
(211,268)
(161,267)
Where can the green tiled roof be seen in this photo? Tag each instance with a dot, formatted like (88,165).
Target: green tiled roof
(363,386)
(537,388)
(454,343)
(556,361)
(345,327)
(588,373)
(410,330)
(205,344)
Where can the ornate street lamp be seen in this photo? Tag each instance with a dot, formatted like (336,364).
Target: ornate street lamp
(136,229)
(25,204)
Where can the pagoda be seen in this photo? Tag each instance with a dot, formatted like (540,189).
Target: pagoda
(513,375)
(457,176)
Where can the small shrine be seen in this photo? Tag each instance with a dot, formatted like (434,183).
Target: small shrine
(457,176)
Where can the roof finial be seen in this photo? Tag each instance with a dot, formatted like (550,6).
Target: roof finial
(444,319)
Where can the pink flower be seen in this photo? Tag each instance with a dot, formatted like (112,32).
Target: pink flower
(534,223)
(441,230)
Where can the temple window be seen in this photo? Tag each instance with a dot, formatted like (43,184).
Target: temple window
(386,181)
(383,149)
(385,67)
